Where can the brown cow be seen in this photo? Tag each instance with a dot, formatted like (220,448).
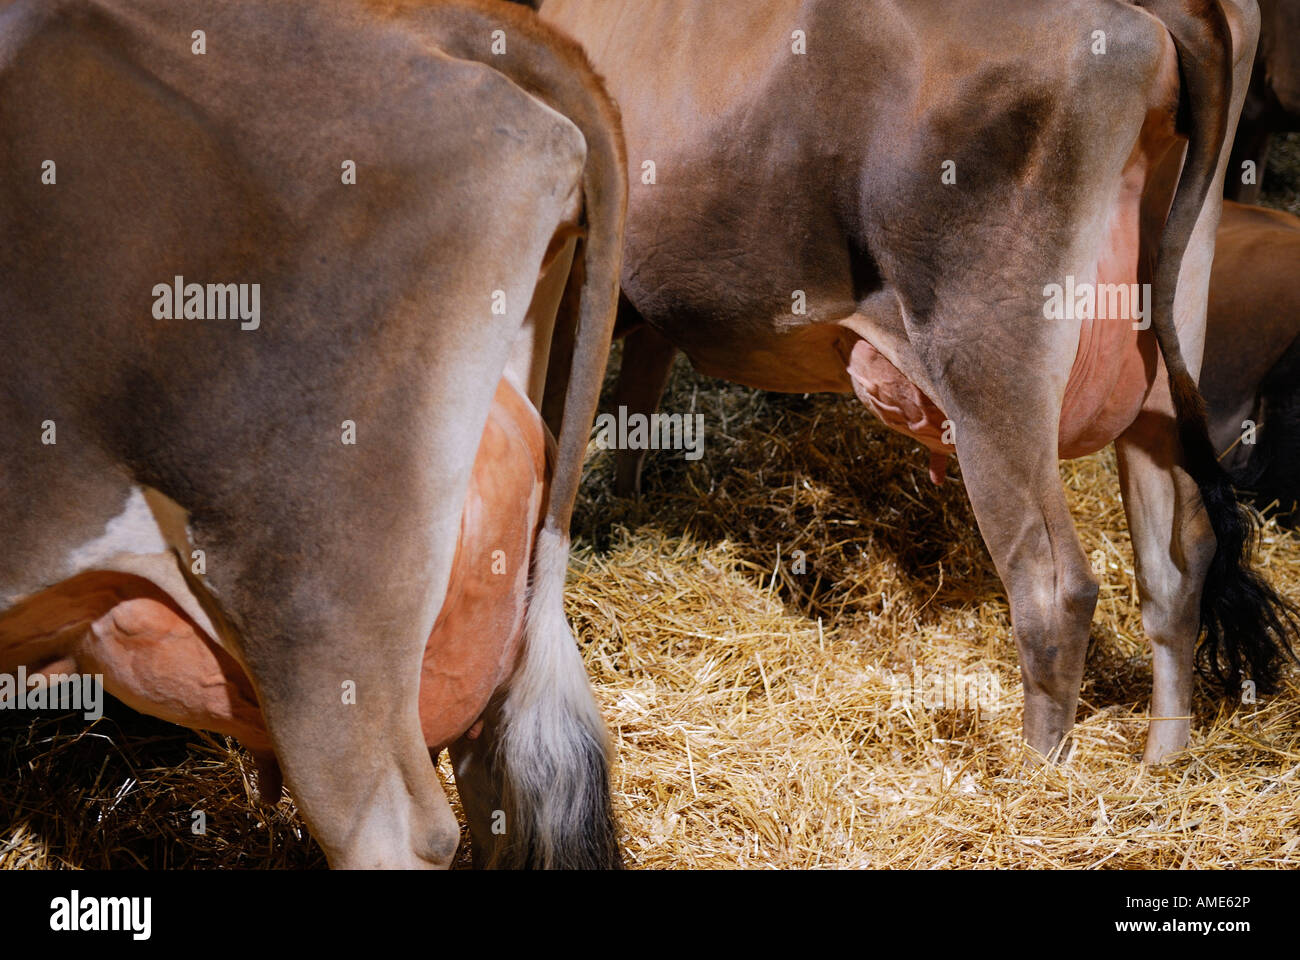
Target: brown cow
(879,197)
(378,207)
(1273,101)
(1251,375)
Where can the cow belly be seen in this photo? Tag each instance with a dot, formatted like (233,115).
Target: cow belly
(156,660)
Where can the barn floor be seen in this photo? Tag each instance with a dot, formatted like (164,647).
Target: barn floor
(864,712)
(765,718)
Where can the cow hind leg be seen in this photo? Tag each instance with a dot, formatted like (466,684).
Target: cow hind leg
(1173,547)
(358,769)
(642,376)
(1272,472)
(1014,484)
(1053,596)
(1252,144)
(334,649)
(480,784)
(269,781)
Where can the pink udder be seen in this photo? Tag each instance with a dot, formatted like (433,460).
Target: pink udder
(900,404)
(1110,377)
(475,642)
(154,660)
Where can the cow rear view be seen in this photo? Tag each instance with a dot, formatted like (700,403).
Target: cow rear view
(887,198)
(266,267)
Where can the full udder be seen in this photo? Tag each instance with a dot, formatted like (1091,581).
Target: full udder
(159,662)
(1110,378)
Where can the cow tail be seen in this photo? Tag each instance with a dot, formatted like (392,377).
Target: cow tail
(1247,627)
(554,747)
(552,756)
